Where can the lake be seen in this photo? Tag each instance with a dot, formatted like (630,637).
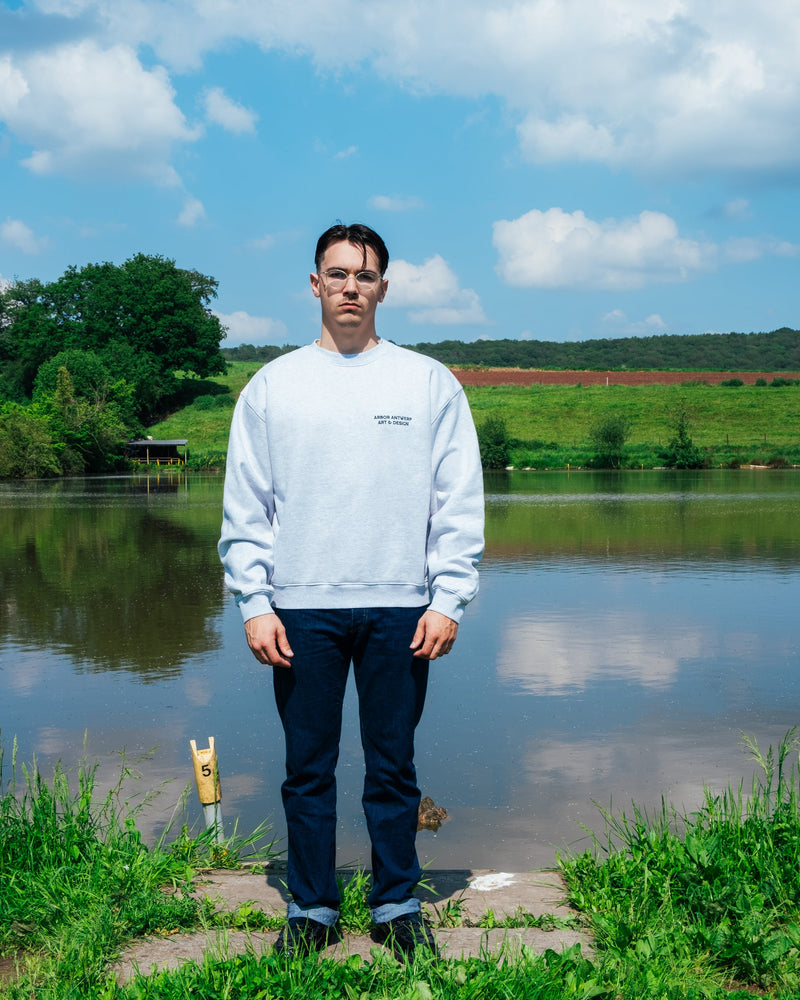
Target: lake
(629,629)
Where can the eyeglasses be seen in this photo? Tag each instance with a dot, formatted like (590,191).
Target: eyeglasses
(337,279)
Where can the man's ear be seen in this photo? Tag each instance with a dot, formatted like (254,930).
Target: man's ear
(384,286)
(314,279)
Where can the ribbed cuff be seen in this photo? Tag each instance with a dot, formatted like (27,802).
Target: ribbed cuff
(448,604)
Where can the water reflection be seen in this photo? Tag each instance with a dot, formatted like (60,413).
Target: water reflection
(629,626)
(558,655)
(113,581)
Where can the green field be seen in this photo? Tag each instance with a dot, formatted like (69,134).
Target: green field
(550,425)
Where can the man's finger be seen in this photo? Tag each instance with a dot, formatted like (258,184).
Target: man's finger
(419,635)
(266,637)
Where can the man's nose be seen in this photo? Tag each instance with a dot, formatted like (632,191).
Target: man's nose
(347,286)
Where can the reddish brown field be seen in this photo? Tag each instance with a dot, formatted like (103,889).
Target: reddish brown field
(535,376)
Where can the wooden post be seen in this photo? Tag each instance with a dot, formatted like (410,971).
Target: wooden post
(209,787)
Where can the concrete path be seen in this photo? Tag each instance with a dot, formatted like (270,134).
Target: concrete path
(467,894)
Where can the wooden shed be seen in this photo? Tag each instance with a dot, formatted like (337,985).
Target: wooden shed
(150,452)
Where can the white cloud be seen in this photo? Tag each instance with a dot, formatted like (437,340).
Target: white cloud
(265,242)
(572,137)
(16,234)
(13,88)
(428,284)
(84,108)
(5,283)
(650,326)
(737,209)
(256,330)
(465,310)
(656,84)
(558,249)
(192,212)
(222,110)
(395,203)
(432,292)
(745,249)
(345,154)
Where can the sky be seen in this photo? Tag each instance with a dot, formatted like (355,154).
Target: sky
(539,169)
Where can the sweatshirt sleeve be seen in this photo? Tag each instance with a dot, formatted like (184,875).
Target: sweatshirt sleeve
(455,537)
(246,542)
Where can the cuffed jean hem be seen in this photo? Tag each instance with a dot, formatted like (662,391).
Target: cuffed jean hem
(389,911)
(322,914)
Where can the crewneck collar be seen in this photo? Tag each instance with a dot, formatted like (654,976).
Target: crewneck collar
(362,358)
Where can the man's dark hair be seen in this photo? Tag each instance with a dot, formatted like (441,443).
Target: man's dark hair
(357,234)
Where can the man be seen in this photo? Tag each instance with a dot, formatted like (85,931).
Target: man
(353,525)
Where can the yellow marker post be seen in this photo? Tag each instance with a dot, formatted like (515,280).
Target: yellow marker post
(209,787)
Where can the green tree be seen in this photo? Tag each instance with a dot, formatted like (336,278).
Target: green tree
(608,437)
(27,448)
(144,319)
(681,452)
(90,425)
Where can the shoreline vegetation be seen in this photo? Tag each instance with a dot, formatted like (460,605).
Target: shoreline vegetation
(106,354)
(705,420)
(700,905)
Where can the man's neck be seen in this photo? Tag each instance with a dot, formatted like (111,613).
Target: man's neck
(348,341)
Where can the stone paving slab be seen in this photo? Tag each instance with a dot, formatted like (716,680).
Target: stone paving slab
(461,894)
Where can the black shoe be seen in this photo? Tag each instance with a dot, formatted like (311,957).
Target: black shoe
(405,934)
(301,936)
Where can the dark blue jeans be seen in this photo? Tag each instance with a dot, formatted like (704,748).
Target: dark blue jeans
(391,685)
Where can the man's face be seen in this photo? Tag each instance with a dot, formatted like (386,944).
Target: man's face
(354,303)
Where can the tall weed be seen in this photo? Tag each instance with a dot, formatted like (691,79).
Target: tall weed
(718,889)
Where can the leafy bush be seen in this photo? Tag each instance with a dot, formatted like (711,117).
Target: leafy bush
(208,461)
(27,448)
(733,383)
(608,437)
(216,402)
(494,443)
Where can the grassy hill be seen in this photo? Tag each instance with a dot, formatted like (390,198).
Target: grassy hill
(550,425)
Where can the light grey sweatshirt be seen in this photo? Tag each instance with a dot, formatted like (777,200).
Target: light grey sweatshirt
(352,482)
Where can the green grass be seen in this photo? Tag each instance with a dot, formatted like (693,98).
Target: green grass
(77,881)
(690,906)
(708,900)
(207,429)
(267,978)
(550,426)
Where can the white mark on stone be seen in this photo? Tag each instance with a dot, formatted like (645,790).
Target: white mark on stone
(498,880)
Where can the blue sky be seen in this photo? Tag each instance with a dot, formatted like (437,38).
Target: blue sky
(549,169)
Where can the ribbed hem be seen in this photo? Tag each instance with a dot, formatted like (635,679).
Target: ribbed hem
(350,595)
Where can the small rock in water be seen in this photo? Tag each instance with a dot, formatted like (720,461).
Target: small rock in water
(430,815)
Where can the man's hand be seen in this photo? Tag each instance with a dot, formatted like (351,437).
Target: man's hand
(266,637)
(435,635)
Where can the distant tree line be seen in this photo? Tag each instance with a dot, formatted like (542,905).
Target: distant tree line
(775,351)
(87,361)
(247,352)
